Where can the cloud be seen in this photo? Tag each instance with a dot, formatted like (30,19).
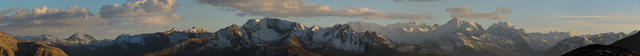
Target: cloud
(51,17)
(594,27)
(143,11)
(296,8)
(50,20)
(614,22)
(612,16)
(464,12)
(137,16)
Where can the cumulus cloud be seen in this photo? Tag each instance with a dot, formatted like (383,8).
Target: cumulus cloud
(612,22)
(143,11)
(464,12)
(49,20)
(296,8)
(51,17)
(141,15)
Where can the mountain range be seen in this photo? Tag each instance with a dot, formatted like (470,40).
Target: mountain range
(276,37)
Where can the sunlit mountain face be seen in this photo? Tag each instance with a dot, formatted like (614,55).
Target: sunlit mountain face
(319,28)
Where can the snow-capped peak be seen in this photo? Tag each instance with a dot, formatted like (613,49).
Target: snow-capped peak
(315,27)
(271,29)
(81,37)
(455,25)
(264,32)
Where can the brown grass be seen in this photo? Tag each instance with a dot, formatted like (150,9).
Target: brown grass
(8,45)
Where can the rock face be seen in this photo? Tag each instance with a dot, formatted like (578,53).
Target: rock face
(10,46)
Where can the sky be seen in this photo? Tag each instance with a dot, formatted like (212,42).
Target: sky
(105,19)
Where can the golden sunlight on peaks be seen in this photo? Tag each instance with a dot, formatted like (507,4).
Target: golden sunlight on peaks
(315,27)
(405,29)
(301,26)
(257,20)
(423,29)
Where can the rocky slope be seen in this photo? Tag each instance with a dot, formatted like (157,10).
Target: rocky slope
(625,47)
(630,42)
(10,46)
(601,50)
(567,45)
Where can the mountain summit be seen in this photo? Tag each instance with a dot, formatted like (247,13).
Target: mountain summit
(81,37)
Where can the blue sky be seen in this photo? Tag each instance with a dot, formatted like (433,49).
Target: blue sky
(580,16)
